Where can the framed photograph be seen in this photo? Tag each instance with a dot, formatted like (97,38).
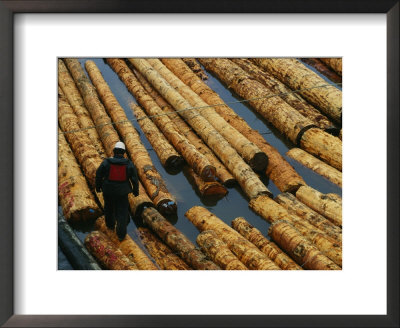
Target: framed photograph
(35,34)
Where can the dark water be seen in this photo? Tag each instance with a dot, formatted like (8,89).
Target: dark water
(235,203)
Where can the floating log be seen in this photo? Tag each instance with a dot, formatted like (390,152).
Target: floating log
(195,67)
(74,98)
(206,188)
(247,179)
(148,174)
(193,157)
(268,247)
(139,203)
(334,63)
(218,251)
(278,169)
(281,90)
(72,247)
(323,69)
(326,205)
(130,249)
(177,241)
(294,206)
(161,253)
(107,254)
(247,252)
(167,154)
(221,172)
(299,248)
(298,77)
(255,157)
(316,165)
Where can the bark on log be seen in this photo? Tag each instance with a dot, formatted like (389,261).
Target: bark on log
(255,157)
(195,159)
(316,165)
(73,96)
(323,69)
(295,75)
(107,254)
(285,93)
(149,176)
(167,154)
(294,206)
(278,169)
(247,179)
(206,188)
(221,172)
(216,249)
(195,67)
(268,247)
(130,249)
(247,252)
(299,248)
(326,205)
(161,253)
(334,63)
(177,241)
(76,199)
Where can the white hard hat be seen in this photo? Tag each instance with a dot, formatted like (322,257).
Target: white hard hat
(120,145)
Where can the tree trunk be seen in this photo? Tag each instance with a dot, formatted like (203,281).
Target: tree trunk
(269,248)
(148,174)
(130,249)
(256,158)
(107,254)
(161,253)
(326,205)
(218,251)
(298,77)
(247,179)
(76,199)
(299,248)
(323,69)
(206,188)
(334,63)
(166,153)
(316,165)
(247,253)
(221,172)
(278,169)
(177,241)
(195,67)
(73,96)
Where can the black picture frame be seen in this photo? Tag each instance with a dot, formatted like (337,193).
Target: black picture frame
(7,11)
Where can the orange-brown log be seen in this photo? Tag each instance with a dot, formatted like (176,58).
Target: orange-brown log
(206,188)
(323,69)
(195,67)
(334,63)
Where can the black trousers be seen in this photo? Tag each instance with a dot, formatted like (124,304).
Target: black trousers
(116,210)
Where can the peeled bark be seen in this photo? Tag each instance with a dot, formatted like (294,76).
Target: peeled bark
(161,253)
(278,169)
(177,241)
(130,249)
(107,254)
(256,158)
(323,69)
(268,247)
(76,199)
(334,63)
(147,173)
(299,248)
(294,206)
(316,165)
(206,188)
(247,252)
(221,172)
(216,249)
(193,157)
(326,205)
(247,179)
(298,77)
(195,67)
(166,153)
(73,96)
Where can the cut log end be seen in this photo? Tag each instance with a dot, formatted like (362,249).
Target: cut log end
(214,189)
(259,162)
(174,163)
(208,173)
(167,207)
(229,183)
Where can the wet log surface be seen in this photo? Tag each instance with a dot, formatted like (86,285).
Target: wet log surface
(323,69)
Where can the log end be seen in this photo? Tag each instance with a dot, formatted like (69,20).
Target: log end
(259,162)
(229,183)
(174,163)
(208,173)
(167,207)
(214,189)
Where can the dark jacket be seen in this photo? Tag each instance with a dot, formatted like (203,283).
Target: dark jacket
(117,187)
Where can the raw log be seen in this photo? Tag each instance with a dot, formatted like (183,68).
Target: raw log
(107,254)
(247,179)
(298,77)
(216,249)
(247,252)
(206,188)
(323,69)
(278,169)
(334,63)
(268,247)
(316,165)
(195,67)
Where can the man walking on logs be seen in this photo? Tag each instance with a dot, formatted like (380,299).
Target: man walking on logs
(116,177)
